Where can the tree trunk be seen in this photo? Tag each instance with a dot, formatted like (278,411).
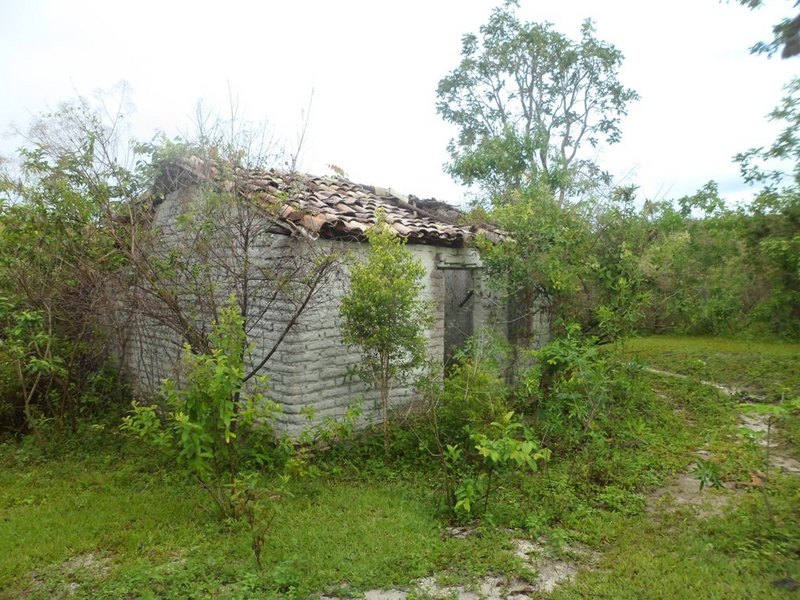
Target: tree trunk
(385,404)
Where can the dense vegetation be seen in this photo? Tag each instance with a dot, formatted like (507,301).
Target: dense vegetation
(693,266)
(192,494)
(530,106)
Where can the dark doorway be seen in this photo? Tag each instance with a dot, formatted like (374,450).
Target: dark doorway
(458,293)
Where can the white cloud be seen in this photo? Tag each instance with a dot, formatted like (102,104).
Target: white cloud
(374,67)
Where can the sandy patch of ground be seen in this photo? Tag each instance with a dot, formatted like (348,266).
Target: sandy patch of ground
(685,492)
(73,568)
(778,457)
(727,390)
(786,464)
(553,569)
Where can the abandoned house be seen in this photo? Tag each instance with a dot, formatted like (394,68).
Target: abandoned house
(284,237)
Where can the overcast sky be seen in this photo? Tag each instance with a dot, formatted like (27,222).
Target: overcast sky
(374,66)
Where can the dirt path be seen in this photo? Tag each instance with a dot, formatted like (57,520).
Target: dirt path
(725,389)
(685,490)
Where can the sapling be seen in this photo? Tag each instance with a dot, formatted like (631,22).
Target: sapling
(502,447)
(219,430)
(384,315)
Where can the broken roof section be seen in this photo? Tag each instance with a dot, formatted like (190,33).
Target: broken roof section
(330,207)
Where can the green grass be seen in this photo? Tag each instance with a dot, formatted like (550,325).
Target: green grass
(762,368)
(153,534)
(102,519)
(739,554)
(764,371)
(677,556)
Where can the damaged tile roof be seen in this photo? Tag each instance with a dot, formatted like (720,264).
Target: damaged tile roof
(334,208)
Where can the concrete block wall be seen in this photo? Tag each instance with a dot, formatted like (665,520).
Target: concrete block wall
(154,350)
(311,369)
(322,375)
(153,354)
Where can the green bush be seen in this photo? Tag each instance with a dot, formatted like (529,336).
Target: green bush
(11,401)
(212,425)
(472,430)
(383,314)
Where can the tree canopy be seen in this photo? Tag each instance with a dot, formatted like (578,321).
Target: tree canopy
(527,99)
(785,34)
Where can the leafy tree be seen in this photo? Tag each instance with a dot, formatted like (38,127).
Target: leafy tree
(59,256)
(27,342)
(767,165)
(772,235)
(786,34)
(772,227)
(543,261)
(383,314)
(526,99)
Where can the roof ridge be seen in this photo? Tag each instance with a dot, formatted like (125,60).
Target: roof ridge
(334,207)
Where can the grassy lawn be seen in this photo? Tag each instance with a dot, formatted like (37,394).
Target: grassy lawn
(762,368)
(676,555)
(768,371)
(117,530)
(103,519)
(741,553)
(108,522)
(681,553)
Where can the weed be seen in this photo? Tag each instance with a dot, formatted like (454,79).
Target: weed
(707,473)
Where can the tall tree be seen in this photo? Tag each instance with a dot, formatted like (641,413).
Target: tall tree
(527,99)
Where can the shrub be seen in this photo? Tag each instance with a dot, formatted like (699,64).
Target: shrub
(212,425)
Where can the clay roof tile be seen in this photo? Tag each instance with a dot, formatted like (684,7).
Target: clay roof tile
(334,207)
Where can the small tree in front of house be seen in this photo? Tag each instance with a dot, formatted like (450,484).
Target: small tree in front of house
(383,314)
